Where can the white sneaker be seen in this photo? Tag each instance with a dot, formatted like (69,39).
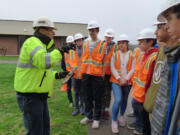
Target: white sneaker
(85,121)
(131,114)
(122,121)
(114,126)
(95,124)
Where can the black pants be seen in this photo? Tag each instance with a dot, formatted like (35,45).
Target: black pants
(35,115)
(143,118)
(69,93)
(78,93)
(106,97)
(92,86)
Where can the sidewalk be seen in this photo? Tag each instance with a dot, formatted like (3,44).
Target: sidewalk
(8,61)
(105,126)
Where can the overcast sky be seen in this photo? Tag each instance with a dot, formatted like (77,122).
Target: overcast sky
(124,16)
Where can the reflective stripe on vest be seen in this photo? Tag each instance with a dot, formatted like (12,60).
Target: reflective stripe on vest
(48,60)
(33,52)
(115,52)
(25,65)
(92,62)
(67,61)
(101,47)
(140,83)
(84,46)
(72,55)
(30,65)
(149,61)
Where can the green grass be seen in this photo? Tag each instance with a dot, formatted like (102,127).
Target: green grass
(62,121)
(8,57)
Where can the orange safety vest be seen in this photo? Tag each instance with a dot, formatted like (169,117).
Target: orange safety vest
(66,59)
(141,76)
(117,64)
(107,61)
(136,53)
(75,62)
(93,63)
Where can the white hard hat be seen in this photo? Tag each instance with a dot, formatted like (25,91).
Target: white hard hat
(109,33)
(123,37)
(78,36)
(69,39)
(166,6)
(159,23)
(43,22)
(92,25)
(146,34)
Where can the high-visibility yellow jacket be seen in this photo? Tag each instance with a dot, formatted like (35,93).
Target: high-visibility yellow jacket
(33,72)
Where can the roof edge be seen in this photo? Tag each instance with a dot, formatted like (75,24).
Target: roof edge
(32,21)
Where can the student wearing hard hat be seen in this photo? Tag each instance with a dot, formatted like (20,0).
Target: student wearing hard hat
(122,70)
(106,98)
(76,61)
(171,13)
(67,67)
(136,56)
(92,70)
(143,73)
(165,116)
(34,77)
(164,40)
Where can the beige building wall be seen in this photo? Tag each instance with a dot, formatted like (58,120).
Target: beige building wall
(13,33)
(8,27)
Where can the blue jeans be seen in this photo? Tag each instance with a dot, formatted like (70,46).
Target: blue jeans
(120,100)
(35,115)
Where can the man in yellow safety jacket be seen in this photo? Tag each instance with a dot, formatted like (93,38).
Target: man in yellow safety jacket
(34,78)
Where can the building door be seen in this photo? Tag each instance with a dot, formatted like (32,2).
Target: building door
(21,40)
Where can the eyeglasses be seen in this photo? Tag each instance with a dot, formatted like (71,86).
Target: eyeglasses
(160,26)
